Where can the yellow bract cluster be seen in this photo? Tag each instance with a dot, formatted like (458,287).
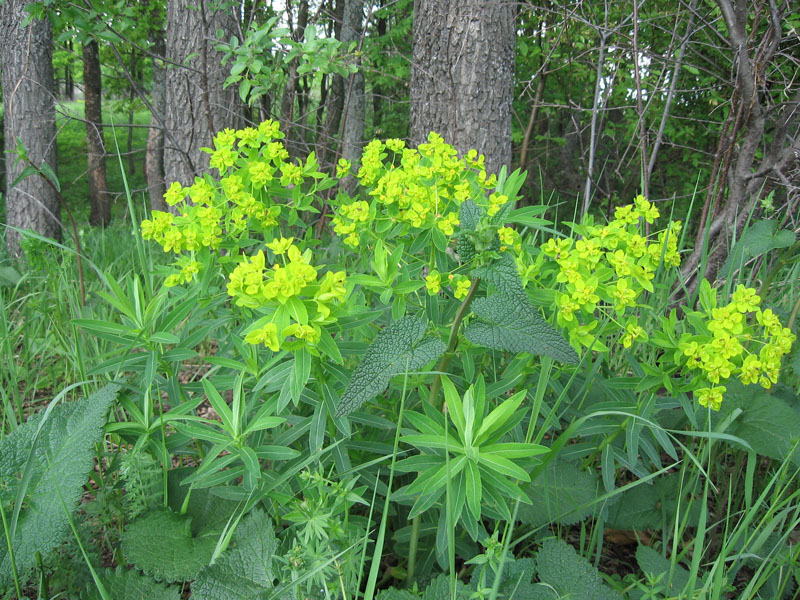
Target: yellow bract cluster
(458,283)
(738,340)
(421,188)
(608,269)
(293,284)
(249,162)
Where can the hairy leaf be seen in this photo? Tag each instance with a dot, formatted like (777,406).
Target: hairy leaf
(129,584)
(401,347)
(507,324)
(563,494)
(652,563)
(570,574)
(768,423)
(162,545)
(52,454)
(244,571)
(503,275)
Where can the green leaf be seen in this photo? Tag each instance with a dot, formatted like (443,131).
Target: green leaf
(760,238)
(244,571)
(768,423)
(563,493)
(9,276)
(569,574)
(129,584)
(42,462)
(162,545)
(400,347)
(506,324)
(652,563)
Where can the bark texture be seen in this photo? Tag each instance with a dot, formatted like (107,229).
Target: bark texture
(462,75)
(197,106)
(27,80)
(100,213)
(154,153)
(355,104)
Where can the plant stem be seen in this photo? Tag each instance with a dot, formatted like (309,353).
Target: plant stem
(412,549)
(452,343)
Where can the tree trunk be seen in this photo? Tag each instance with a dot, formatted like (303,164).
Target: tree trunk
(26,62)
(197,106)
(354,108)
(100,213)
(154,154)
(462,75)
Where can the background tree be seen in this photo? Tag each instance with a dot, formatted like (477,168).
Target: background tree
(197,106)
(100,213)
(462,75)
(26,61)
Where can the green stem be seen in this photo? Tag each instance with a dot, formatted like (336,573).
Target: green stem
(412,550)
(452,343)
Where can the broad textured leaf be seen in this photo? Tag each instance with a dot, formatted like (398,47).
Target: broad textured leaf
(758,239)
(644,506)
(395,594)
(439,589)
(401,347)
(563,493)
(58,460)
(162,545)
(130,584)
(516,582)
(513,326)
(571,575)
(244,571)
(768,423)
(469,215)
(503,275)
(652,563)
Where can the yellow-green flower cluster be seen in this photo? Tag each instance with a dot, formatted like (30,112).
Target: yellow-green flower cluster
(609,268)
(252,164)
(736,340)
(460,284)
(420,188)
(298,300)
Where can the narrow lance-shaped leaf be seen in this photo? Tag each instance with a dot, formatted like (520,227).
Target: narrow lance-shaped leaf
(401,347)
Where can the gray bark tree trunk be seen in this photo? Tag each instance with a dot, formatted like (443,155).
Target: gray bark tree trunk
(27,78)
(354,107)
(154,153)
(100,213)
(197,106)
(462,75)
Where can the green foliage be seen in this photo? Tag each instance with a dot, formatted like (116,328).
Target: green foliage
(244,570)
(129,584)
(163,545)
(44,464)
(562,569)
(669,580)
(506,325)
(563,493)
(479,466)
(768,423)
(402,347)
